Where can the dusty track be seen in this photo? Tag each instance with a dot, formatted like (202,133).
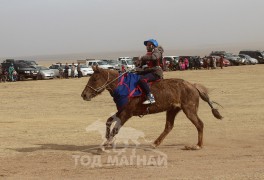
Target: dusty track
(42,126)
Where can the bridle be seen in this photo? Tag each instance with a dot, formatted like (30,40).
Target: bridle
(107,83)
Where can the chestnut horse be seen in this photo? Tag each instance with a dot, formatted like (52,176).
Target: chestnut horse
(171,95)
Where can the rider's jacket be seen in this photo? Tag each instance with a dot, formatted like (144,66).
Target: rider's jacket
(153,59)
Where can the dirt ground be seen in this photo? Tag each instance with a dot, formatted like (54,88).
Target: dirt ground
(43,132)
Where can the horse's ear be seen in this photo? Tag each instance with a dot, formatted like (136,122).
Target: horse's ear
(95,68)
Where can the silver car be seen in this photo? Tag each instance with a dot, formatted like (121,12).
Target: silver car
(45,73)
(249,59)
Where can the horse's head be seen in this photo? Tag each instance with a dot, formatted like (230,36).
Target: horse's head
(98,82)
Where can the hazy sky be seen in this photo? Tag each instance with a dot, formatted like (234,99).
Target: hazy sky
(46,27)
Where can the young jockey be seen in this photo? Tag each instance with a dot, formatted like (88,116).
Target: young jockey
(153,72)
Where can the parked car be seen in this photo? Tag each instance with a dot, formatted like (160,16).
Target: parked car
(234,59)
(226,62)
(86,71)
(24,71)
(29,62)
(249,59)
(127,64)
(218,53)
(112,62)
(45,73)
(100,63)
(55,69)
(259,55)
(124,58)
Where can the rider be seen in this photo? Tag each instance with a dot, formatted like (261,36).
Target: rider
(153,72)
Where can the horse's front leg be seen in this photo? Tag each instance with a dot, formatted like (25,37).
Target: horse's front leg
(108,124)
(120,121)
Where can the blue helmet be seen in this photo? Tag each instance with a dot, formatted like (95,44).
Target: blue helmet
(153,41)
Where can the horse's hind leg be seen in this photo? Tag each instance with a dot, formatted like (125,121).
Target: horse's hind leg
(191,113)
(170,117)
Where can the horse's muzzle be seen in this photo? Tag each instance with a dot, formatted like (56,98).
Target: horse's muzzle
(85,98)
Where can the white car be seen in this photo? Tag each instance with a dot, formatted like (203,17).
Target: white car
(126,63)
(99,63)
(86,71)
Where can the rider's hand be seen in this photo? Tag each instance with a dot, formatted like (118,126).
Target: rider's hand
(138,62)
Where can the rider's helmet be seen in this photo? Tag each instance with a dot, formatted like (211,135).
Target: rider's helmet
(153,41)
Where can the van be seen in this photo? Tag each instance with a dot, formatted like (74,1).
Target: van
(259,55)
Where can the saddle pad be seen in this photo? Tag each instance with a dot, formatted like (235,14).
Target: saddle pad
(127,88)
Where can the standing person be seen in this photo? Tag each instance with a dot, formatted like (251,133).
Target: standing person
(73,70)
(11,70)
(79,70)
(15,75)
(221,61)
(1,73)
(186,62)
(1,70)
(60,68)
(66,71)
(183,65)
(154,71)
(180,63)
(214,62)
(211,62)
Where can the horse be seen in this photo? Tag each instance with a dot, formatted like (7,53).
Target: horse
(171,95)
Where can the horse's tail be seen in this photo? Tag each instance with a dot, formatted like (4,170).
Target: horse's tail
(203,92)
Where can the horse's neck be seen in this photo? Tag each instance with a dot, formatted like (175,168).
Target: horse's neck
(113,76)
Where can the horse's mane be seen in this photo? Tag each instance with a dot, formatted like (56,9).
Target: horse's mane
(105,72)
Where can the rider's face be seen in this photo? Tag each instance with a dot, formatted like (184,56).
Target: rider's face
(149,46)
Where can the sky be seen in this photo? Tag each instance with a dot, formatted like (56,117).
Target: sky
(47,27)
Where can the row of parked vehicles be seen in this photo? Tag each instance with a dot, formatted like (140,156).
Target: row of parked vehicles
(25,69)
(30,69)
(245,57)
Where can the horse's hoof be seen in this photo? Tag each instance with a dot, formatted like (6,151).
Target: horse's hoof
(154,146)
(100,150)
(107,145)
(196,147)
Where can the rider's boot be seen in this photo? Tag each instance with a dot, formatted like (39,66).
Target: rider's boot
(150,99)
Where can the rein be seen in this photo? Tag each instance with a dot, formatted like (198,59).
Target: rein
(101,88)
